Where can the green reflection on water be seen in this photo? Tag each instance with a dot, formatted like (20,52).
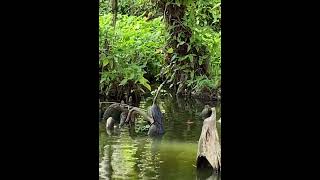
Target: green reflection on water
(123,156)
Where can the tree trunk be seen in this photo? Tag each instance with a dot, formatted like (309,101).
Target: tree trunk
(209,149)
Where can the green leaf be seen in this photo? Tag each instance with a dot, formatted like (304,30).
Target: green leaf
(180,43)
(170,50)
(105,62)
(200,61)
(123,82)
(131,76)
(111,64)
(217,5)
(189,47)
(102,80)
(144,82)
(147,86)
(191,58)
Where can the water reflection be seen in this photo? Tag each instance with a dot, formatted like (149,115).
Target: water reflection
(113,132)
(124,154)
(105,165)
(151,159)
(207,174)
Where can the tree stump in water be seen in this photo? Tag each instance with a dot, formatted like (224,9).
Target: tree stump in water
(209,149)
(110,123)
(154,117)
(114,111)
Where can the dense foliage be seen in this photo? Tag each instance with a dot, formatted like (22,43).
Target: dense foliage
(129,7)
(204,18)
(160,39)
(130,51)
(194,47)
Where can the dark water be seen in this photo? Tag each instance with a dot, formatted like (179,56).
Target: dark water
(126,156)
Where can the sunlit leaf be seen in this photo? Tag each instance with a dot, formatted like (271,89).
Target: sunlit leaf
(189,47)
(102,80)
(144,82)
(123,82)
(105,62)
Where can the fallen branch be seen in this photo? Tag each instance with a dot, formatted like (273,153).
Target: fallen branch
(126,105)
(141,112)
(115,107)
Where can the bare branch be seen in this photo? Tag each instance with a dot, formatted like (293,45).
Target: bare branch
(141,112)
(159,88)
(125,105)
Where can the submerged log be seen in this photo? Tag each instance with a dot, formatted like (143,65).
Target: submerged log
(209,149)
(114,111)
